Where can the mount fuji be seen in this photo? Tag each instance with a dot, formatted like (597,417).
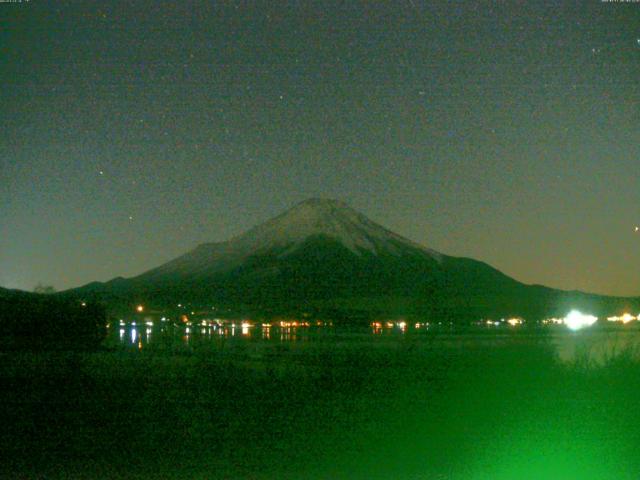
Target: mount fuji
(324,256)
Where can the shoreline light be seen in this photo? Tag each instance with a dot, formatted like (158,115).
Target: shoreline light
(553,321)
(625,318)
(576,320)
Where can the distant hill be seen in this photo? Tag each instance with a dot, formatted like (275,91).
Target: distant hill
(323,256)
(36,321)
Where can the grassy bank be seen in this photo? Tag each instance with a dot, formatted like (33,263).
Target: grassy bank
(327,410)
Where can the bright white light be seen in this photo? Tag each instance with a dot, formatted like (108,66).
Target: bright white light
(134,334)
(576,320)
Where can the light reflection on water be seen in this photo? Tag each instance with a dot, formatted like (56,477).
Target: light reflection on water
(589,348)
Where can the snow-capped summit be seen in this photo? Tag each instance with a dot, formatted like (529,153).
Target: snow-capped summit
(329,218)
(285,234)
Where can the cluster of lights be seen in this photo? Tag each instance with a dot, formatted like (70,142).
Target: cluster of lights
(402,325)
(294,324)
(553,321)
(220,323)
(624,318)
(513,321)
(575,320)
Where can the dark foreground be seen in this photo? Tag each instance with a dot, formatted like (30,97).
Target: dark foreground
(400,408)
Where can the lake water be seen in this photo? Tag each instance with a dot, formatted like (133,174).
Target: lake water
(162,402)
(593,346)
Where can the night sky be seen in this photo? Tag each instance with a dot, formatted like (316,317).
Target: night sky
(133,131)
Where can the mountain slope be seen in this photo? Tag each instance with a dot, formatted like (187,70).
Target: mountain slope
(323,255)
(285,234)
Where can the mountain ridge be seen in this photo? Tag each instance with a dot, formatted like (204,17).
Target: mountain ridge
(322,254)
